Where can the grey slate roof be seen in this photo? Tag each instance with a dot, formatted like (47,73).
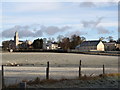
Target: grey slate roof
(108,43)
(90,43)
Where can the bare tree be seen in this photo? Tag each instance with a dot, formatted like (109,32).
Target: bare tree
(110,38)
(101,38)
(60,37)
(65,44)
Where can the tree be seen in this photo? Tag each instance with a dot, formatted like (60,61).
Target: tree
(101,38)
(76,40)
(59,38)
(83,39)
(44,40)
(38,44)
(5,45)
(70,43)
(50,40)
(110,38)
(65,44)
(118,41)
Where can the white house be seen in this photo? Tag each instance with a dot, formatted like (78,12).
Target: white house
(96,45)
(52,46)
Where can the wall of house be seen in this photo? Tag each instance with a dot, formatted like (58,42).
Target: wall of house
(54,46)
(100,47)
(87,48)
(110,47)
(118,46)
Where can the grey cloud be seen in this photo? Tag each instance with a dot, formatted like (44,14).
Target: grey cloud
(51,30)
(90,24)
(102,30)
(8,33)
(22,30)
(87,4)
(113,2)
(25,33)
(94,25)
(77,32)
(93,4)
(38,33)
(29,31)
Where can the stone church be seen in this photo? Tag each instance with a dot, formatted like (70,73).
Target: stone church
(17,44)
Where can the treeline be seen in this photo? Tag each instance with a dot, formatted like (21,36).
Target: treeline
(64,42)
(67,43)
(38,43)
(71,42)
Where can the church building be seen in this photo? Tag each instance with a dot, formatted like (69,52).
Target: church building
(17,44)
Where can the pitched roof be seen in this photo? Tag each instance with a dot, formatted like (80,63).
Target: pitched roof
(54,43)
(108,43)
(90,43)
(21,41)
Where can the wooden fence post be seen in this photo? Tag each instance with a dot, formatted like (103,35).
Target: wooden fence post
(2,76)
(47,71)
(22,86)
(80,69)
(103,69)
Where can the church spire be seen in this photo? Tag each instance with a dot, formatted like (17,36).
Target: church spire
(16,39)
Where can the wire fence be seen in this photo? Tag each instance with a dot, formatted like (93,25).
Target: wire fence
(48,72)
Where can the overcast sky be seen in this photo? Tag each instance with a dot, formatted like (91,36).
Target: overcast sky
(49,19)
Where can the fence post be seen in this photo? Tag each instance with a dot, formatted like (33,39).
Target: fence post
(103,69)
(80,69)
(47,71)
(2,76)
(22,86)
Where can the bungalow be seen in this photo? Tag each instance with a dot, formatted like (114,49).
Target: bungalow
(96,45)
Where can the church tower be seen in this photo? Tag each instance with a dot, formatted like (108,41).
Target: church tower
(16,39)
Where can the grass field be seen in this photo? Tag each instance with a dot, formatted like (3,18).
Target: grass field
(60,59)
(62,65)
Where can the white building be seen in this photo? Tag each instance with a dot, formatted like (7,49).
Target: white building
(52,46)
(91,46)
